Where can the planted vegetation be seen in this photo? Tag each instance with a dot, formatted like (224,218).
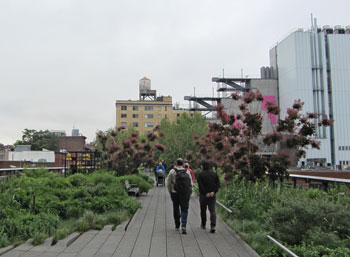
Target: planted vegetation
(309,222)
(39,204)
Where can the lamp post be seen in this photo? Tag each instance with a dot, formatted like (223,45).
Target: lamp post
(68,157)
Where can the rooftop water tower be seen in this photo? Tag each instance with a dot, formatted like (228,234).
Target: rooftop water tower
(146,93)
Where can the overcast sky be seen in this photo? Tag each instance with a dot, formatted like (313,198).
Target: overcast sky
(64,63)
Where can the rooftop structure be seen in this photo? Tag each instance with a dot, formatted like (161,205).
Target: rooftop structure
(147,112)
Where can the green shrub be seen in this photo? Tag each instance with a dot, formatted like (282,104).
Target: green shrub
(313,193)
(57,200)
(307,250)
(295,217)
(78,179)
(4,241)
(39,238)
(102,177)
(86,222)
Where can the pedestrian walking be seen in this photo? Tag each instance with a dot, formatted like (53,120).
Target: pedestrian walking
(188,167)
(180,188)
(160,174)
(209,184)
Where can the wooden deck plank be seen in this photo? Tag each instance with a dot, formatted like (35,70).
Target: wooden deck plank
(206,246)
(93,246)
(158,243)
(128,241)
(225,234)
(173,238)
(81,242)
(143,242)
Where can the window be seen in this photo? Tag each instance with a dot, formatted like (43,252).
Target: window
(135,124)
(149,125)
(135,115)
(178,114)
(148,116)
(135,108)
(159,108)
(166,108)
(124,107)
(159,116)
(339,148)
(166,116)
(148,108)
(123,124)
(343,148)
(123,115)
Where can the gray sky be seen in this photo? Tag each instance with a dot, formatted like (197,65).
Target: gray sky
(64,63)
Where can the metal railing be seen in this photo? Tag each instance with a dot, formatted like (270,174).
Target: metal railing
(324,180)
(269,237)
(282,246)
(15,171)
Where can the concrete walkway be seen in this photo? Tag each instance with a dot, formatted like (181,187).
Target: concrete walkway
(150,233)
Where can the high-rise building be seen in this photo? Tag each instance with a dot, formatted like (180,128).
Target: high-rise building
(314,66)
(147,112)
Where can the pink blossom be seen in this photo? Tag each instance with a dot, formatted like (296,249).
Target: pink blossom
(224,118)
(259,96)
(272,108)
(293,113)
(326,122)
(114,146)
(298,104)
(235,96)
(315,144)
(243,106)
(312,115)
(249,97)
(160,147)
(114,133)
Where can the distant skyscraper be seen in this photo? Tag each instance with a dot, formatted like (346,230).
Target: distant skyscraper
(75,132)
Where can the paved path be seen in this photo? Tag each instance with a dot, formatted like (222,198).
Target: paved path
(150,233)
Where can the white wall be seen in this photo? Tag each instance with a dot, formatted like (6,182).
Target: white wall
(339,58)
(33,156)
(295,81)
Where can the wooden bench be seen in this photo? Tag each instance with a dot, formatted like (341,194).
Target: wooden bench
(132,189)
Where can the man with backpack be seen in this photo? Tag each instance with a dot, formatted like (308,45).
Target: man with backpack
(180,188)
(208,184)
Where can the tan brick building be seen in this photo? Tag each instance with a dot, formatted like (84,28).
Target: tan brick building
(147,112)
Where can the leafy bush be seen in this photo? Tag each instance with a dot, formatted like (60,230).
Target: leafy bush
(78,179)
(58,200)
(309,222)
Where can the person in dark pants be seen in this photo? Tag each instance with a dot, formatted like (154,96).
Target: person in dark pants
(179,184)
(209,184)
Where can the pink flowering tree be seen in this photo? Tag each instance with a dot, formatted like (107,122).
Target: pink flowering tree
(124,151)
(235,144)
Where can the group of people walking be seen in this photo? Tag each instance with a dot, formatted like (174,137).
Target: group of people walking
(180,182)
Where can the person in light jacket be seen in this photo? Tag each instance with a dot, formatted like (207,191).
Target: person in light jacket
(180,193)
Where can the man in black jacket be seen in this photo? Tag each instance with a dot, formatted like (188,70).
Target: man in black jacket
(209,184)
